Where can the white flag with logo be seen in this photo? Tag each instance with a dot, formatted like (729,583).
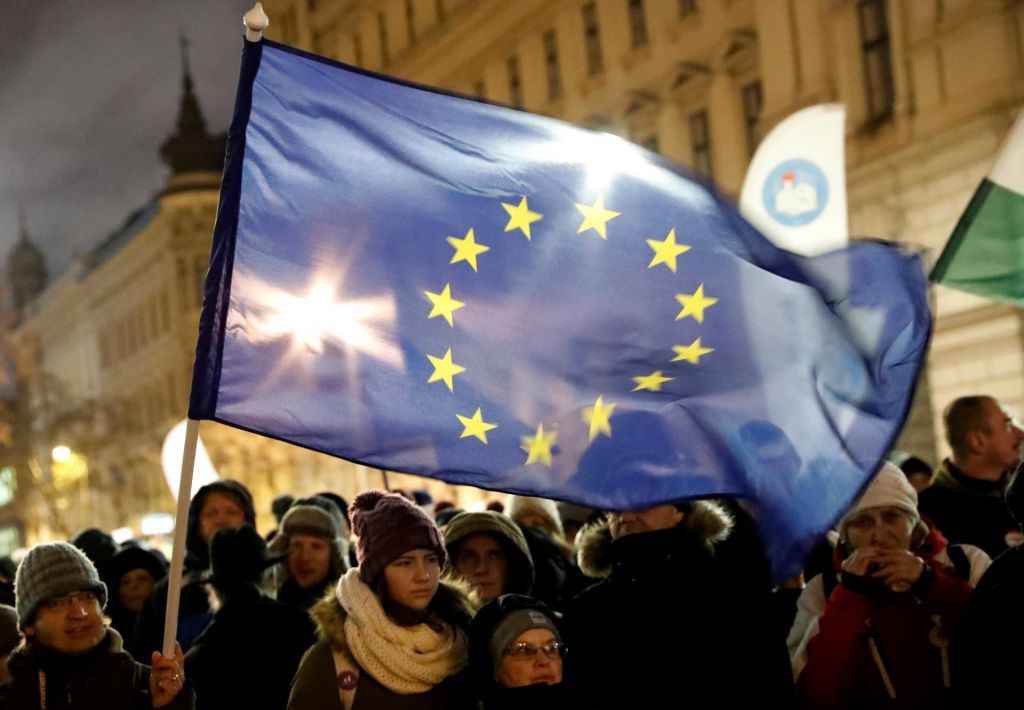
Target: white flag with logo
(795,189)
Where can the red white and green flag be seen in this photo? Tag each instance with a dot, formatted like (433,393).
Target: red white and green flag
(985,254)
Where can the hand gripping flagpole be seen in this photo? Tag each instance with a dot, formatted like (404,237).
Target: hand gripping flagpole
(255,21)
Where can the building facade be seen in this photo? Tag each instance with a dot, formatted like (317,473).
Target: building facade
(104,352)
(931,87)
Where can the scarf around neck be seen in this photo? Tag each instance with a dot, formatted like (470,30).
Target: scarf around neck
(404,659)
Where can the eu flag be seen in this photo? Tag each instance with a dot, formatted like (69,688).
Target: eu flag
(426,283)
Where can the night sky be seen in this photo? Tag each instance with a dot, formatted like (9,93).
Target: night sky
(88,91)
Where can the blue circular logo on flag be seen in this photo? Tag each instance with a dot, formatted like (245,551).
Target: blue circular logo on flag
(795,193)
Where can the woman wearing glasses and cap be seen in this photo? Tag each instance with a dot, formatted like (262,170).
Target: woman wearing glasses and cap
(516,652)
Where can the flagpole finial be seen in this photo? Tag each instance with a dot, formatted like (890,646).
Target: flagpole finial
(255,22)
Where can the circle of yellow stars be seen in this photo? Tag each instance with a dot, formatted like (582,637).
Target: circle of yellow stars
(596,216)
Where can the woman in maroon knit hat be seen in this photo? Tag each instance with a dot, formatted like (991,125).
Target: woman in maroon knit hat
(393,635)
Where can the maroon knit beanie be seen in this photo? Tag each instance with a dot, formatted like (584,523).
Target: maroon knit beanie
(387,526)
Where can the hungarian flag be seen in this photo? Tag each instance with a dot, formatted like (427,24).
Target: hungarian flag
(985,255)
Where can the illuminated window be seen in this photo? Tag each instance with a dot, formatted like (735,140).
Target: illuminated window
(410,21)
(357,49)
(700,143)
(382,31)
(551,65)
(592,40)
(637,23)
(515,82)
(752,104)
(874,32)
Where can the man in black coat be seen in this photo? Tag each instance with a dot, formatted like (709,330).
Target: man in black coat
(217,505)
(247,656)
(989,647)
(671,623)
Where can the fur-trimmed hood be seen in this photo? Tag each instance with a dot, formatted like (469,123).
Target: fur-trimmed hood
(706,521)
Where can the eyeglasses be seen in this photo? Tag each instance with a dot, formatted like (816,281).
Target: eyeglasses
(86,596)
(528,651)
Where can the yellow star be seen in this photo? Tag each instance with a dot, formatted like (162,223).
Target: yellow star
(666,252)
(475,426)
(596,217)
(691,353)
(694,304)
(445,369)
(538,446)
(444,304)
(652,382)
(467,249)
(597,417)
(520,217)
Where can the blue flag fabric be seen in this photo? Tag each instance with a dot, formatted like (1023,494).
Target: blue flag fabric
(425,283)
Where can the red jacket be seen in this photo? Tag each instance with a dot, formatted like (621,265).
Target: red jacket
(883,649)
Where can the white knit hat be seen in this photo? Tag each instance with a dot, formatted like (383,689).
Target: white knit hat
(889,488)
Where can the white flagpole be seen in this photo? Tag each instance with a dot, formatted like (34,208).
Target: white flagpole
(255,22)
(174,578)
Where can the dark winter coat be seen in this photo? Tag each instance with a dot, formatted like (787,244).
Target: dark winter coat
(968,510)
(315,684)
(247,656)
(989,649)
(670,621)
(194,611)
(105,677)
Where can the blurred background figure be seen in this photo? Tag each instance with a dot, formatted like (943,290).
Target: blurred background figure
(133,573)
(917,472)
(314,548)
(248,654)
(10,637)
(489,551)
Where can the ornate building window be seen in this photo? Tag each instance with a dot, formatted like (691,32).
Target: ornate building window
(592,40)
(551,65)
(410,21)
(700,143)
(877,53)
(382,32)
(687,8)
(637,23)
(515,82)
(752,105)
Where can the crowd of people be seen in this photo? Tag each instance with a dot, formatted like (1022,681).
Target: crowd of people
(397,602)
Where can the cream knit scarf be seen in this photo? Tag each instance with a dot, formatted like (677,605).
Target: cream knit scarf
(404,659)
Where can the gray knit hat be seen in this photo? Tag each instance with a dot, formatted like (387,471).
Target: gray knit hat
(49,570)
(324,522)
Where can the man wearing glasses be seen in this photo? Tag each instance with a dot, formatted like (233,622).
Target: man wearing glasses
(70,658)
(965,500)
